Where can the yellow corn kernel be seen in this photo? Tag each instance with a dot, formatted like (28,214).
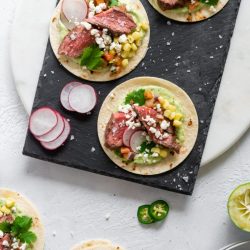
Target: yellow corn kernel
(163,153)
(161,100)
(177,123)
(124,54)
(136,35)
(178,116)
(138,43)
(131,39)
(172,108)
(138,28)
(5,210)
(133,47)
(1,213)
(125,63)
(127,47)
(165,104)
(172,116)
(167,113)
(156,150)
(112,52)
(131,54)
(144,26)
(10,203)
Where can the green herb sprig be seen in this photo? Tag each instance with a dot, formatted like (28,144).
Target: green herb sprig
(137,96)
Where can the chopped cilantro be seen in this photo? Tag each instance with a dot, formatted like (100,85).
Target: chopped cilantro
(118,152)
(137,96)
(147,145)
(210,2)
(113,3)
(91,57)
(20,229)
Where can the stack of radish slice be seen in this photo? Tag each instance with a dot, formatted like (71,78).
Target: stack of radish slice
(49,127)
(73,11)
(78,97)
(133,138)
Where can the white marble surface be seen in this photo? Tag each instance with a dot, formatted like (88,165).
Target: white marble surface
(74,203)
(227,125)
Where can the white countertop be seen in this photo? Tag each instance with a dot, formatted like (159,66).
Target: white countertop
(74,203)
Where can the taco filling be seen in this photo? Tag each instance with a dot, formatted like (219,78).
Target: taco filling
(147,127)
(106,39)
(187,6)
(15,227)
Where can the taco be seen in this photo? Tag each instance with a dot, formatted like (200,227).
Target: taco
(97,245)
(188,10)
(20,224)
(147,125)
(105,43)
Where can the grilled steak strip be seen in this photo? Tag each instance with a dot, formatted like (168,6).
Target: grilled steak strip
(115,20)
(75,42)
(168,142)
(171,4)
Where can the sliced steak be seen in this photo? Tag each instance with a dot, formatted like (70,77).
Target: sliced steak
(115,130)
(75,42)
(8,218)
(171,4)
(169,141)
(115,20)
(7,238)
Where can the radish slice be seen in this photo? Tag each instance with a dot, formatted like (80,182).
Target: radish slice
(65,94)
(127,135)
(73,11)
(60,140)
(55,132)
(42,121)
(82,98)
(137,139)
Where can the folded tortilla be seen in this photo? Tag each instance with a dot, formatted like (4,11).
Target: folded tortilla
(28,209)
(191,124)
(202,14)
(102,75)
(97,245)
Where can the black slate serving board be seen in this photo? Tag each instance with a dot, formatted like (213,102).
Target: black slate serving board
(191,55)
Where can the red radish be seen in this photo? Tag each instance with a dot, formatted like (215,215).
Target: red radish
(42,121)
(55,132)
(65,94)
(60,140)
(73,11)
(127,135)
(137,139)
(82,98)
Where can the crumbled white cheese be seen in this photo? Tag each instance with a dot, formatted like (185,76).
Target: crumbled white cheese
(158,134)
(94,32)
(23,246)
(164,124)
(1,234)
(212,8)
(5,243)
(72,137)
(122,39)
(73,36)
(125,108)
(155,155)
(15,245)
(92,150)
(152,130)
(86,25)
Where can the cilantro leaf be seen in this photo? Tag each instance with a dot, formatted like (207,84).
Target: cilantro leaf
(91,57)
(137,96)
(118,152)
(21,224)
(113,3)
(27,237)
(147,145)
(5,227)
(210,2)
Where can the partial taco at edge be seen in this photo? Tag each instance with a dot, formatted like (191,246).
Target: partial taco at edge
(106,40)
(147,125)
(188,10)
(20,224)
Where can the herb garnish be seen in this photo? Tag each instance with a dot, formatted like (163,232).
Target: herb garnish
(113,3)
(147,146)
(137,96)
(20,229)
(91,57)
(210,2)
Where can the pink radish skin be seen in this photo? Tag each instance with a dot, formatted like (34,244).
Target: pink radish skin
(127,135)
(73,11)
(82,98)
(137,139)
(55,132)
(64,97)
(42,121)
(60,140)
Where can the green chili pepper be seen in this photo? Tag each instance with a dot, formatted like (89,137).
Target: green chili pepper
(143,215)
(158,210)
